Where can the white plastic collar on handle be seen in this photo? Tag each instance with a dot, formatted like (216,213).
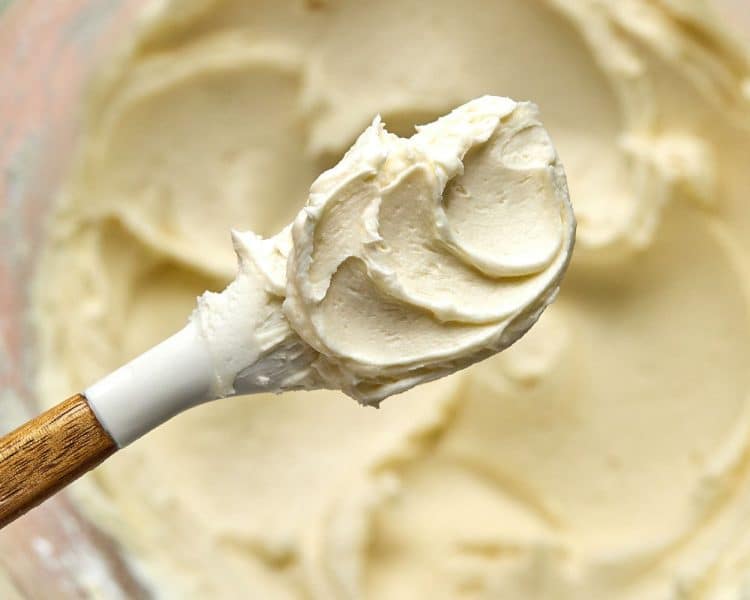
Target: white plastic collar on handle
(171,377)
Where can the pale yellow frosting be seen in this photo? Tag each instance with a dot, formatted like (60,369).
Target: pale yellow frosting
(411,259)
(604,455)
(416,257)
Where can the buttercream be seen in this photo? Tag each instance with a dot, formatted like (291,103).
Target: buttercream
(604,455)
(412,258)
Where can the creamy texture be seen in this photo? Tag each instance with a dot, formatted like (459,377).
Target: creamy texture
(412,258)
(604,455)
(465,231)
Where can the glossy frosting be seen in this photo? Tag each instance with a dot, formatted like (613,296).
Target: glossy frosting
(604,455)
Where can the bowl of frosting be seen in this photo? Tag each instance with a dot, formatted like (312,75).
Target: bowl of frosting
(605,455)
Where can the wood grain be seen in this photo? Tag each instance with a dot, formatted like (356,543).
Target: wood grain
(47,453)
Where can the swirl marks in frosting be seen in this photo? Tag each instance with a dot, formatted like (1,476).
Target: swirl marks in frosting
(415,257)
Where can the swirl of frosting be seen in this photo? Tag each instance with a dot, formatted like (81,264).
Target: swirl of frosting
(417,257)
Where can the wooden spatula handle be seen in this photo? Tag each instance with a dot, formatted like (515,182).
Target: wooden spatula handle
(47,453)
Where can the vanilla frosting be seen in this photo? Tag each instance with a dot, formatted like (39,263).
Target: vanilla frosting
(411,259)
(603,455)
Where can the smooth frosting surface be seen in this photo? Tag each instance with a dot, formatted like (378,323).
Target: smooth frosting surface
(604,455)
